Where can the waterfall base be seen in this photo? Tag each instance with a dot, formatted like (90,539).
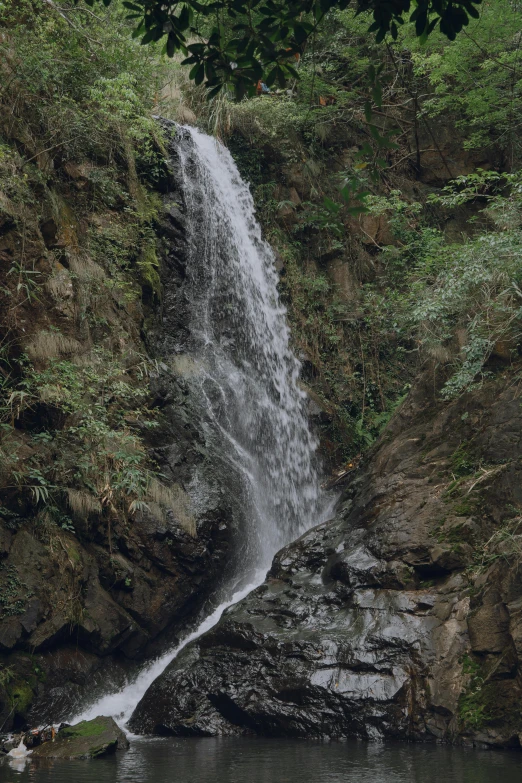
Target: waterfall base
(325,647)
(399,619)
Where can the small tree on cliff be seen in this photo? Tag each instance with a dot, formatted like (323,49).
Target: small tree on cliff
(239,42)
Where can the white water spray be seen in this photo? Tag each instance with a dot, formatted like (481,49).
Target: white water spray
(247,383)
(244,378)
(121,704)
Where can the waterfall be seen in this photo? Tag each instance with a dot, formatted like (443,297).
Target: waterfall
(244,379)
(247,378)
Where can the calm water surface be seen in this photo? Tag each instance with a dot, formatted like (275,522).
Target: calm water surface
(276,761)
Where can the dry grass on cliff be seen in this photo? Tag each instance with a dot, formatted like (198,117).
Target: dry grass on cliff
(59,286)
(49,345)
(82,503)
(85,269)
(173,499)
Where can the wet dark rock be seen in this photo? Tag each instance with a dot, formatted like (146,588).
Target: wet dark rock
(321,649)
(382,623)
(49,231)
(86,740)
(488,628)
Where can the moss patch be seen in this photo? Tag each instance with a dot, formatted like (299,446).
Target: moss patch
(148,265)
(86,740)
(21,696)
(87,728)
(463,463)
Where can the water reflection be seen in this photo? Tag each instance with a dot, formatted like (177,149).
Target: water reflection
(275,761)
(17,764)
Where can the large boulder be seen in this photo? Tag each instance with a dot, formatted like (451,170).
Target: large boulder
(400,618)
(336,642)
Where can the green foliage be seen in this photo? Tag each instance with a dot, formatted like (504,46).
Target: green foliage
(13,592)
(504,544)
(450,304)
(7,673)
(459,301)
(95,450)
(477,78)
(77,86)
(472,706)
(462,462)
(478,293)
(240,42)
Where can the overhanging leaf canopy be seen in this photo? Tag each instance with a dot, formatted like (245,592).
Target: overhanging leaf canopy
(243,41)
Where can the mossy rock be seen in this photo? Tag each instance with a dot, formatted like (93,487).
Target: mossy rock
(21,696)
(89,739)
(148,265)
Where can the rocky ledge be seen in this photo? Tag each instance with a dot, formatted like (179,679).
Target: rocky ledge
(86,740)
(401,618)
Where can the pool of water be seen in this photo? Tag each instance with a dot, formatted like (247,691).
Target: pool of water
(275,761)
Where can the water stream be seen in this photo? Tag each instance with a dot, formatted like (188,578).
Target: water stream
(247,375)
(257,760)
(244,380)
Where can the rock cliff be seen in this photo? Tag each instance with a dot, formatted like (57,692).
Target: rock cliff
(400,618)
(87,590)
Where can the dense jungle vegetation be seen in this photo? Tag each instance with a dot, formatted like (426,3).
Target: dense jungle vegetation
(386,176)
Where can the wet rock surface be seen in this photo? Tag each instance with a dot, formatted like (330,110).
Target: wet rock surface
(400,618)
(86,740)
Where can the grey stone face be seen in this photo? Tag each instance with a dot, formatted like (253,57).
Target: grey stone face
(383,622)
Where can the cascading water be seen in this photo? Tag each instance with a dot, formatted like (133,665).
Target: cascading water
(244,379)
(247,377)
